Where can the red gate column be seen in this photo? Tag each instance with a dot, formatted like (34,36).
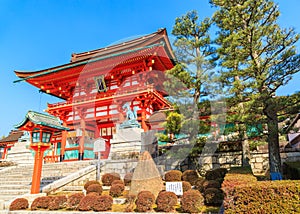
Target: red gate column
(144,125)
(81,142)
(63,143)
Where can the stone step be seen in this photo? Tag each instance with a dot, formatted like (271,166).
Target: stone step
(14,186)
(14,192)
(16,182)
(72,188)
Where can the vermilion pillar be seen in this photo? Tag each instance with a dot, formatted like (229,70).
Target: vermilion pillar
(63,143)
(144,125)
(39,149)
(81,142)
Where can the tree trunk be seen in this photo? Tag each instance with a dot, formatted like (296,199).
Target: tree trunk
(270,111)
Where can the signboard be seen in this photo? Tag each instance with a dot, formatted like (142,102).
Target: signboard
(99,145)
(175,187)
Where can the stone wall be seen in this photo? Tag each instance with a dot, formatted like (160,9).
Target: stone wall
(259,161)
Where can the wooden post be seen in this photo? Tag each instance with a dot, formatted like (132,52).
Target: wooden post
(81,142)
(39,149)
(63,143)
(144,126)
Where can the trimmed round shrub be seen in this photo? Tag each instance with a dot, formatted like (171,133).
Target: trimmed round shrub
(216,174)
(166,201)
(41,203)
(186,186)
(213,197)
(210,184)
(103,203)
(108,178)
(130,199)
(144,201)
(199,184)
(117,182)
(74,200)
(128,178)
(97,188)
(19,204)
(192,201)
(87,203)
(191,176)
(87,184)
(116,190)
(57,202)
(173,175)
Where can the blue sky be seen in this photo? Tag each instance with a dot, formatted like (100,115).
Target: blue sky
(38,34)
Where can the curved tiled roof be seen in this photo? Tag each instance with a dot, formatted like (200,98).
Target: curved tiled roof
(42,119)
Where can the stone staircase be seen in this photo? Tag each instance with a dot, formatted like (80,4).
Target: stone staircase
(16,180)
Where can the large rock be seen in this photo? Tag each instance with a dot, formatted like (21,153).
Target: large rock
(146,176)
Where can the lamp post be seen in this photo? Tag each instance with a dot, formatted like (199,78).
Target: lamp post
(40,142)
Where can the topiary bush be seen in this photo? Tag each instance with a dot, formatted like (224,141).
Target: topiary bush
(192,201)
(103,203)
(57,202)
(87,203)
(210,184)
(190,176)
(19,204)
(213,197)
(108,178)
(199,184)
(87,184)
(74,200)
(40,203)
(128,178)
(116,190)
(117,182)
(186,186)
(166,201)
(173,175)
(95,188)
(216,174)
(144,202)
(130,199)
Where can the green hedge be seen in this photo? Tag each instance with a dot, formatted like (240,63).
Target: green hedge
(243,194)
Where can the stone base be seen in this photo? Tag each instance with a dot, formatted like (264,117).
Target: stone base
(126,144)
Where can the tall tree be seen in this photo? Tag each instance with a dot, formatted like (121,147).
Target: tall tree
(257,57)
(193,51)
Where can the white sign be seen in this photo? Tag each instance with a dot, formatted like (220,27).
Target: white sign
(99,145)
(175,187)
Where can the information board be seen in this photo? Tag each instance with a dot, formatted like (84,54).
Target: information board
(175,187)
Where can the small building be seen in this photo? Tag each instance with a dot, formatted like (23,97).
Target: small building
(6,143)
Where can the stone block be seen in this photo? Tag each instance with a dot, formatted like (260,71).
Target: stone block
(259,160)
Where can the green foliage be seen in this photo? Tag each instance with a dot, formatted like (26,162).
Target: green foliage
(253,144)
(257,57)
(275,196)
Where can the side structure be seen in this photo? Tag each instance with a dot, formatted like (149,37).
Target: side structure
(96,85)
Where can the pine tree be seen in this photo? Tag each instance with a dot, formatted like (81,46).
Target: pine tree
(257,57)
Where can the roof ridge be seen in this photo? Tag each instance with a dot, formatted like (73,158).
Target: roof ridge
(120,44)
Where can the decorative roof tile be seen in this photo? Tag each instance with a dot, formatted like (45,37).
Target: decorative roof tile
(42,119)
